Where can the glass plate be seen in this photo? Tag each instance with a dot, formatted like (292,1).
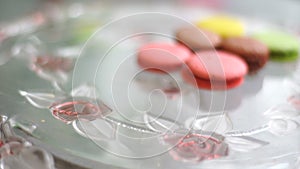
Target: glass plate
(258,119)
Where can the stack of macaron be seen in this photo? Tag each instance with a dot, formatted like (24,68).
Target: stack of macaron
(217,53)
(230,34)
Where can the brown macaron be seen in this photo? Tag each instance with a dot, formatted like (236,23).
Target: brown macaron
(197,39)
(254,52)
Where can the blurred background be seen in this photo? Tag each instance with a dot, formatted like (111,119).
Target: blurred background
(283,12)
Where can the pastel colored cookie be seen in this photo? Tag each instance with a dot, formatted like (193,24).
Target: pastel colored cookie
(223,25)
(197,39)
(219,65)
(217,69)
(162,56)
(254,52)
(282,46)
(206,84)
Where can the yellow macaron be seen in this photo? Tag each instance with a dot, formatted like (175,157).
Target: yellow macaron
(223,25)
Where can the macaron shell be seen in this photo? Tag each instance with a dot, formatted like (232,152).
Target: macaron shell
(210,85)
(254,52)
(163,56)
(217,65)
(277,40)
(223,25)
(197,39)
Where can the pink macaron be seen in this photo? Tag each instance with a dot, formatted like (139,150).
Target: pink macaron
(215,70)
(163,57)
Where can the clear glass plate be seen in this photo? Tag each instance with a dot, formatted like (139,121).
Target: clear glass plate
(108,63)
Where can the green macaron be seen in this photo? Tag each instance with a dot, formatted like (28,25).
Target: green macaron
(283,46)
